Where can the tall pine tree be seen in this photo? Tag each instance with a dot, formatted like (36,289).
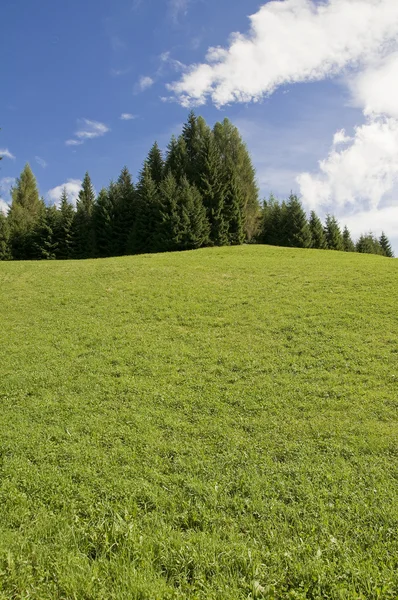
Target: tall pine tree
(348,244)
(318,238)
(84,234)
(64,231)
(386,246)
(213,190)
(124,211)
(145,230)
(333,233)
(5,250)
(298,234)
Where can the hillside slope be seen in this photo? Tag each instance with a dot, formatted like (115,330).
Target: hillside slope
(216,424)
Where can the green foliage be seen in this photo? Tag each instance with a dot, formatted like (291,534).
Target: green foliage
(298,234)
(44,236)
(143,236)
(333,234)
(64,230)
(103,219)
(84,234)
(196,228)
(123,212)
(348,244)
(176,160)
(368,244)
(318,238)
(5,250)
(386,246)
(236,159)
(211,425)
(156,163)
(27,209)
(213,190)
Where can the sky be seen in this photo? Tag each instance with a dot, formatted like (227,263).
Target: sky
(312,86)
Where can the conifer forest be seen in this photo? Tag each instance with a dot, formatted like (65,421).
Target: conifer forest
(203,192)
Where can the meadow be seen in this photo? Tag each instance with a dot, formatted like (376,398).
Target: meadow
(219,424)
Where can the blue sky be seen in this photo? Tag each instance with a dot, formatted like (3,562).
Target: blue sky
(299,83)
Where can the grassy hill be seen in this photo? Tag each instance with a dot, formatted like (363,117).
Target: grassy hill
(217,424)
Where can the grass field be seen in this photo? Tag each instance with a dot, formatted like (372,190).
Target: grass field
(217,424)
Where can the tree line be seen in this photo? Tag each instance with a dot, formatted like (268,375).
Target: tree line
(203,192)
(285,224)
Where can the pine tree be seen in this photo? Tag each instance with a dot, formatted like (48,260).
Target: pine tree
(170,228)
(194,133)
(144,234)
(318,238)
(176,159)
(298,234)
(64,231)
(44,242)
(156,163)
(5,250)
(333,233)
(348,244)
(84,235)
(386,246)
(236,158)
(103,223)
(368,244)
(124,211)
(232,211)
(194,224)
(26,210)
(213,191)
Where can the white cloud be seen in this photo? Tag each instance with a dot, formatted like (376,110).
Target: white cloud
(40,161)
(291,41)
(4,206)
(6,184)
(72,186)
(91,130)
(127,117)
(375,89)
(340,137)
(6,154)
(145,83)
(88,131)
(73,143)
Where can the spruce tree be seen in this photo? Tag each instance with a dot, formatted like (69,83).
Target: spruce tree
(170,229)
(44,240)
(156,163)
(194,224)
(194,133)
(236,158)
(368,244)
(5,250)
(103,223)
(318,238)
(26,210)
(124,211)
(298,234)
(348,244)
(232,210)
(84,235)
(145,230)
(213,190)
(64,232)
(333,233)
(176,159)
(386,246)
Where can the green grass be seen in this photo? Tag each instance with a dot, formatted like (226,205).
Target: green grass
(217,424)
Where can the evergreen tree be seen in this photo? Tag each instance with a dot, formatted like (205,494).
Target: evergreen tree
(333,233)
(386,246)
(84,235)
(44,242)
(232,211)
(103,223)
(124,211)
(368,244)
(156,163)
(213,190)
(5,250)
(236,158)
(318,238)
(64,231)
(194,224)
(26,211)
(348,244)
(194,133)
(170,229)
(298,234)
(177,159)
(145,230)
